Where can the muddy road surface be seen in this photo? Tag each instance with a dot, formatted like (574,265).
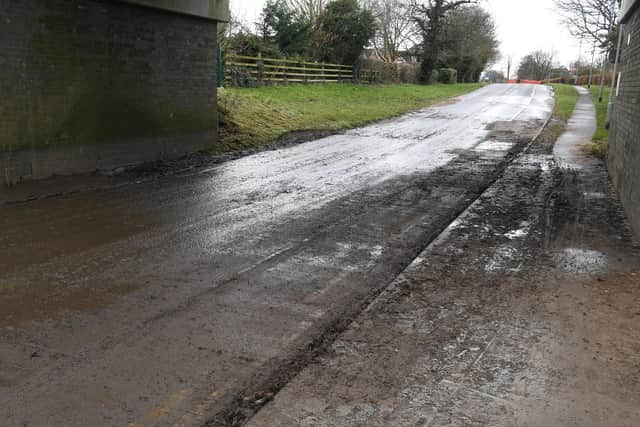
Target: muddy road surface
(195,299)
(524,312)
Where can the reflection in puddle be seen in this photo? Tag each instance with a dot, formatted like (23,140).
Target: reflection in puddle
(594,195)
(525,226)
(494,146)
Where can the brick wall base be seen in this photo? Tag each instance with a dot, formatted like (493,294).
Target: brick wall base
(91,84)
(624,139)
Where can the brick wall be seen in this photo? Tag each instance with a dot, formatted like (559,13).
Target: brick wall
(86,84)
(624,138)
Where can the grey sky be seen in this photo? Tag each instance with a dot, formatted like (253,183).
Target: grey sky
(523,26)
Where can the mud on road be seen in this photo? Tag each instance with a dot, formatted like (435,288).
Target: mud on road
(523,312)
(195,299)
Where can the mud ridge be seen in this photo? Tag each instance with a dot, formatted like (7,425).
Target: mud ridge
(105,180)
(240,407)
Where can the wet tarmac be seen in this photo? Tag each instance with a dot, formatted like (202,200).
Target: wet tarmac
(524,312)
(196,298)
(568,150)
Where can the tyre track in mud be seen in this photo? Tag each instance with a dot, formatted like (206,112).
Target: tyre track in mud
(521,313)
(260,390)
(491,325)
(196,299)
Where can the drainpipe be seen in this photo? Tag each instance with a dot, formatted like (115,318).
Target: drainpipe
(615,77)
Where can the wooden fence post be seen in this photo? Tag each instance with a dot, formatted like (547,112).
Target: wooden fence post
(259,71)
(260,66)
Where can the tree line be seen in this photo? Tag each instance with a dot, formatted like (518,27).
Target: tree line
(438,34)
(595,24)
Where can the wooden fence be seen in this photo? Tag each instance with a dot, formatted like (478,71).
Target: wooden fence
(257,71)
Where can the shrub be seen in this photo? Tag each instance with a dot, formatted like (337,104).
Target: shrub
(408,73)
(367,70)
(435,76)
(241,77)
(447,75)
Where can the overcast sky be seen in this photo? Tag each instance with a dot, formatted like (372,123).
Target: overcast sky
(523,26)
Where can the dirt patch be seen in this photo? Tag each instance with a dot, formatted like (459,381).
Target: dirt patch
(146,172)
(514,130)
(488,326)
(464,172)
(204,160)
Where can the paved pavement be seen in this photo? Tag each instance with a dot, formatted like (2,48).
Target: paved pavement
(524,312)
(580,129)
(198,297)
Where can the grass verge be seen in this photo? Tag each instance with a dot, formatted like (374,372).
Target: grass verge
(257,116)
(600,143)
(566,98)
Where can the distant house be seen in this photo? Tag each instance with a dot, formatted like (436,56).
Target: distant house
(493,76)
(371,54)
(408,56)
(624,139)
(411,55)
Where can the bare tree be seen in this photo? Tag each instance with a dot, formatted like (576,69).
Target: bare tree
(236,22)
(396,28)
(591,19)
(595,20)
(429,16)
(535,66)
(309,10)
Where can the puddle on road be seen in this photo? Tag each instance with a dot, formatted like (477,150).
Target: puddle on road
(349,257)
(582,261)
(493,146)
(522,231)
(34,302)
(596,195)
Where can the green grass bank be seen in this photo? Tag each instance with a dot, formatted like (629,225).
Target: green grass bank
(601,137)
(258,116)
(566,98)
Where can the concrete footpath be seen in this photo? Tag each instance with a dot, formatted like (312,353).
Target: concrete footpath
(524,312)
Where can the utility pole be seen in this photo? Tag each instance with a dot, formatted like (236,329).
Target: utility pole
(593,57)
(575,80)
(508,68)
(606,55)
(602,76)
(613,78)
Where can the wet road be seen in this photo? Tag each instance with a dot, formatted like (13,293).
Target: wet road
(524,312)
(168,302)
